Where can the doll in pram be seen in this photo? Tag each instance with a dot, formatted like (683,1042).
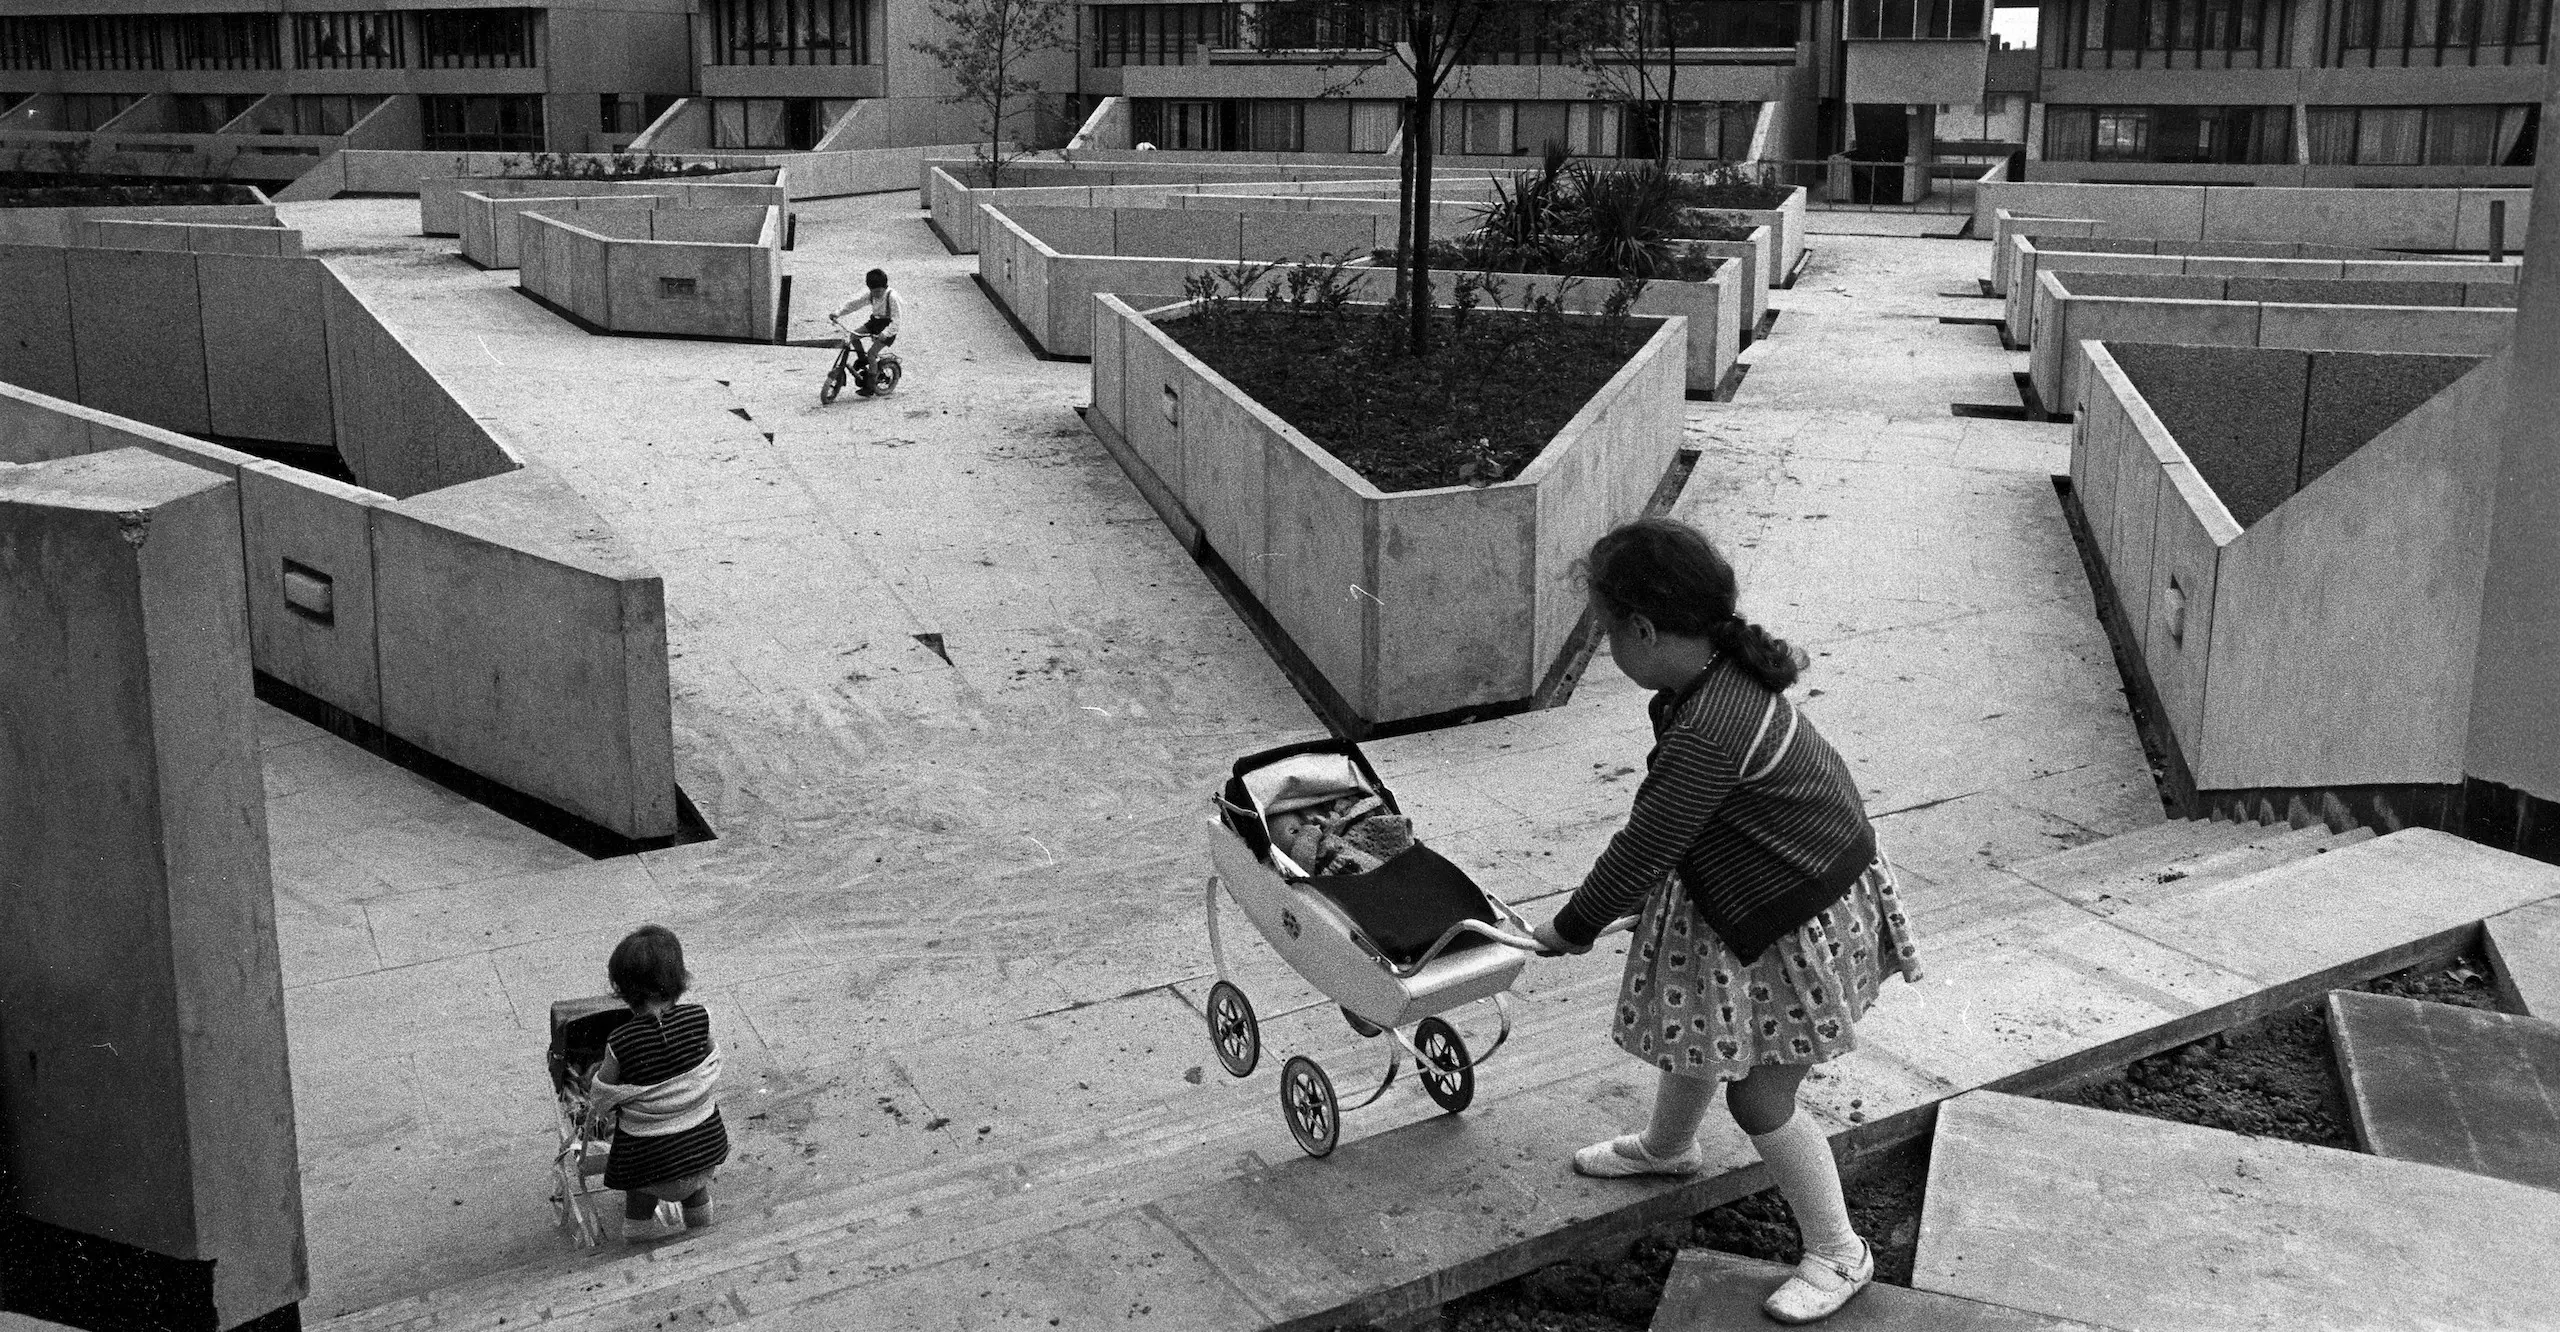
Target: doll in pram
(1397,941)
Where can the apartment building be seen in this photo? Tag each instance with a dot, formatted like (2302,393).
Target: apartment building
(775,75)
(2289,92)
(289,79)
(1719,79)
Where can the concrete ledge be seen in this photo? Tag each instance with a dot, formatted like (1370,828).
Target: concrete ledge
(1480,575)
(655,272)
(440,198)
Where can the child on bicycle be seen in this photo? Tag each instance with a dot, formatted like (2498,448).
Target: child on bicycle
(881,325)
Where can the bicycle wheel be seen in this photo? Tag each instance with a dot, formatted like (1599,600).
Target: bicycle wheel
(884,377)
(835,384)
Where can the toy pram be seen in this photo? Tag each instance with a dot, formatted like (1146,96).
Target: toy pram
(1395,946)
(578,1031)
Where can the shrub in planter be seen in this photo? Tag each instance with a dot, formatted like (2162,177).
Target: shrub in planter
(1726,185)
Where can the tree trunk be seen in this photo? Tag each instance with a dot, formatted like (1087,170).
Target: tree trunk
(1404,201)
(1420,288)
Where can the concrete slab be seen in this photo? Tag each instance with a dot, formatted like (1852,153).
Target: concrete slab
(140,355)
(2177,1227)
(2451,1086)
(1717,1292)
(36,349)
(2524,946)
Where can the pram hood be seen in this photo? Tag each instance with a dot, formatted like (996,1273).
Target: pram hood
(1241,804)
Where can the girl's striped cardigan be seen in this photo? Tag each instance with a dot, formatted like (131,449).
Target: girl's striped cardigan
(1757,860)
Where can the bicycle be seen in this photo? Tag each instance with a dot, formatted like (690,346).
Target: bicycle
(877,372)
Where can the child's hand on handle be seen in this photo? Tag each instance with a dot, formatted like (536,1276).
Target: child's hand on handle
(1552,944)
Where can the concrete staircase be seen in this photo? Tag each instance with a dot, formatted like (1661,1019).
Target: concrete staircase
(1082,1217)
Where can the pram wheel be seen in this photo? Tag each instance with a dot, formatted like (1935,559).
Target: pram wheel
(1233,1030)
(1446,1071)
(1306,1101)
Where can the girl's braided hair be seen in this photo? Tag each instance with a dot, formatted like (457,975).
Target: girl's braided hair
(1669,573)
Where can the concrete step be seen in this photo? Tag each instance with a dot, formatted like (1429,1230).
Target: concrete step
(2185,875)
(2142,851)
(861,1231)
(2524,946)
(2451,1086)
(2140,1224)
(1717,1292)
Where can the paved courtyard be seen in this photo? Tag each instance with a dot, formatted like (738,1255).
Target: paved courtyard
(954,908)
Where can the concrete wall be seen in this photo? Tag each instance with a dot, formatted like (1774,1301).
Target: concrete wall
(201,238)
(61,226)
(2025,254)
(1052,293)
(1759,256)
(2347,619)
(397,427)
(502,627)
(954,201)
(2390,219)
(1787,220)
(2515,731)
(440,208)
(2067,323)
(144,1095)
(527,649)
(1481,577)
(2305,604)
(489,227)
(616,272)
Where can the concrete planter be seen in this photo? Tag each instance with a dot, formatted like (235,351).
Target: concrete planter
(2066,323)
(440,209)
(1407,604)
(1786,222)
(1759,255)
(681,272)
(1051,293)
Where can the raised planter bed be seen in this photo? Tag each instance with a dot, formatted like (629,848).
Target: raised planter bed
(1051,292)
(440,199)
(1786,222)
(672,272)
(1407,604)
(1758,253)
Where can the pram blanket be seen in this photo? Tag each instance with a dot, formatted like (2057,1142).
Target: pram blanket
(672,1106)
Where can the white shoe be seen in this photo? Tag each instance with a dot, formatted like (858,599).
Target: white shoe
(657,1227)
(1620,1157)
(1819,1287)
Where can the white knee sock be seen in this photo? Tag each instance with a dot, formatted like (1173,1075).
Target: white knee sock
(1799,1160)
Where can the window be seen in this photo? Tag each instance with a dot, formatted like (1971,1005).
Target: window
(88,111)
(1733,23)
(476,38)
(1914,20)
(789,32)
(2423,135)
(330,113)
(228,41)
(26,43)
(347,41)
(124,42)
(2224,135)
(1171,124)
(2369,33)
(482,124)
(1277,127)
(1374,125)
(2168,34)
(1173,34)
(792,123)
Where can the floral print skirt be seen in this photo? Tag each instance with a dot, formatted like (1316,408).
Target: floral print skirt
(1689,1006)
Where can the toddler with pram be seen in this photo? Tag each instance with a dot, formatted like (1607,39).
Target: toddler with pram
(658,1077)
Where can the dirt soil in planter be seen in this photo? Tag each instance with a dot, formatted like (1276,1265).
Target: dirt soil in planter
(2273,1078)
(1477,410)
(37,189)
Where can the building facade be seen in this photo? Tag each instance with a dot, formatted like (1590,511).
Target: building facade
(2290,92)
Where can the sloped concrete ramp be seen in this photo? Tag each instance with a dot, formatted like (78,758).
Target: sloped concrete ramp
(2142,1224)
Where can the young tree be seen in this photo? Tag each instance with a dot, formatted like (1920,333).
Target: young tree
(1631,51)
(991,43)
(1427,40)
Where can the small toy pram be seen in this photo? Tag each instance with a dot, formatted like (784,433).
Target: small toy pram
(578,1031)
(1394,946)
